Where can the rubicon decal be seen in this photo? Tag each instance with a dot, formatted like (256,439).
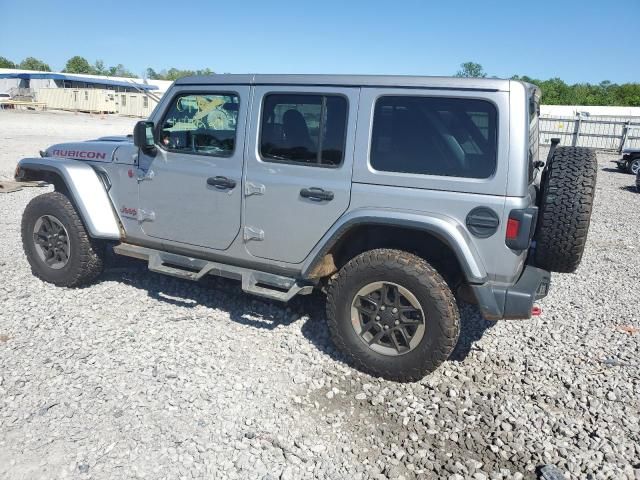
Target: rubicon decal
(129,212)
(79,154)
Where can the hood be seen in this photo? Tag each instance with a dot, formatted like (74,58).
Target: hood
(98,150)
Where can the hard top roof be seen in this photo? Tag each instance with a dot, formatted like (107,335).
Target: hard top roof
(446,83)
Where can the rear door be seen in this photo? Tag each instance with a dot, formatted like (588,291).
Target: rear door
(191,190)
(298,167)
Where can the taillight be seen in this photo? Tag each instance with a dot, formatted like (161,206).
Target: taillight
(521,226)
(513,228)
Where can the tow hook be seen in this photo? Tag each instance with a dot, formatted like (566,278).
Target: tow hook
(536,310)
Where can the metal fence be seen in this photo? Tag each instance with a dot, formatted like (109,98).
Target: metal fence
(600,132)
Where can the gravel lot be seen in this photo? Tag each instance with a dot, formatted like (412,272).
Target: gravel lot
(145,376)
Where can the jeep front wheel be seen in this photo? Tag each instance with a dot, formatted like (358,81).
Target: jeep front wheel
(56,243)
(392,314)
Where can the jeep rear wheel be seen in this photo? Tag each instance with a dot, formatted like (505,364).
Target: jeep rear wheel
(392,314)
(567,190)
(56,242)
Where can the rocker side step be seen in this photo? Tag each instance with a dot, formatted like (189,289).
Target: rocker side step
(268,285)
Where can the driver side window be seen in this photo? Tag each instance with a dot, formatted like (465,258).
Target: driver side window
(203,124)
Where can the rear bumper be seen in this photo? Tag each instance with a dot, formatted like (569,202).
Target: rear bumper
(513,302)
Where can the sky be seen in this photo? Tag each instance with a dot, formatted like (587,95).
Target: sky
(578,41)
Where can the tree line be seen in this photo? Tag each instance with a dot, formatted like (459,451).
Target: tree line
(555,91)
(78,64)
(75,64)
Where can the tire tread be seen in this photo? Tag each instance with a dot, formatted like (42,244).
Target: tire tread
(380,260)
(88,265)
(568,191)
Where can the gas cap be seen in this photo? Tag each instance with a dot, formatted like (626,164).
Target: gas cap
(482,222)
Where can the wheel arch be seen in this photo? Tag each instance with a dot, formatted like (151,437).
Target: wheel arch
(367,229)
(81,184)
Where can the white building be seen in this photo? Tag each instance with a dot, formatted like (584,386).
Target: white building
(86,93)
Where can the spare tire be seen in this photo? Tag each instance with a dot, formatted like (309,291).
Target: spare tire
(567,189)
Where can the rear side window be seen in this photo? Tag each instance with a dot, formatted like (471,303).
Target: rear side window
(454,137)
(306,129)
(534,113)
(201,123)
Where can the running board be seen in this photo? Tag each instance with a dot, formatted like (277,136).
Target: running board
(268,285)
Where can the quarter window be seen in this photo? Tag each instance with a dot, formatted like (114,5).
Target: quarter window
(307,129)
(434,136)
(201,123)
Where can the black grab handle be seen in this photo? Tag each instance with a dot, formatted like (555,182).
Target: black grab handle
(221,182)
(317,194)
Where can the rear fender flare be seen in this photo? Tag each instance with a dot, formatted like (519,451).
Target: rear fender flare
(446,229)
(85,188)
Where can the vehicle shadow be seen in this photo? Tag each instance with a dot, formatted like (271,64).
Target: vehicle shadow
(218,293)
(472,327)
(211,292)
(615,170)
(630,188)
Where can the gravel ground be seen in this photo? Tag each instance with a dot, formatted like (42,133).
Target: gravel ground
(145,376)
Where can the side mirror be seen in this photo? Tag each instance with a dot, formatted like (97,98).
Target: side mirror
(143,136)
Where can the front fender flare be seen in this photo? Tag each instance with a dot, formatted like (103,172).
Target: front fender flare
(444,228)
(87,192)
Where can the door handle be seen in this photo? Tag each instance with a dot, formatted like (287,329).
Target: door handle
(221,183)
(316,194)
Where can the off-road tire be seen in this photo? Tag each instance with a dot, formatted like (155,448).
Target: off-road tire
(86,259)
(633,166)
(568,188)
(442,319)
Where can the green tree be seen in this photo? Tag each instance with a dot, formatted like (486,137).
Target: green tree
(175,73)
(472,70)
(606,92)
(31,63)
(99,68)
(78,64)
(120,71)
(555,92)
(6,63)
(525,78)
(627,95)
(206,71)
(153,75)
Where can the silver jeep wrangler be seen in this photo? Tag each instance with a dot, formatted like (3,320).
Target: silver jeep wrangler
(394,195)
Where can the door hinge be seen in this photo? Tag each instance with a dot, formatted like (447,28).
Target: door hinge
(146,216)
(251,188)
(148,175)
(251,233)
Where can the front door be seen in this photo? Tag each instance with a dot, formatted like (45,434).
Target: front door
(298,177)
(190,191)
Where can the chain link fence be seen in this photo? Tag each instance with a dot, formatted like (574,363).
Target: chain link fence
(599,132)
